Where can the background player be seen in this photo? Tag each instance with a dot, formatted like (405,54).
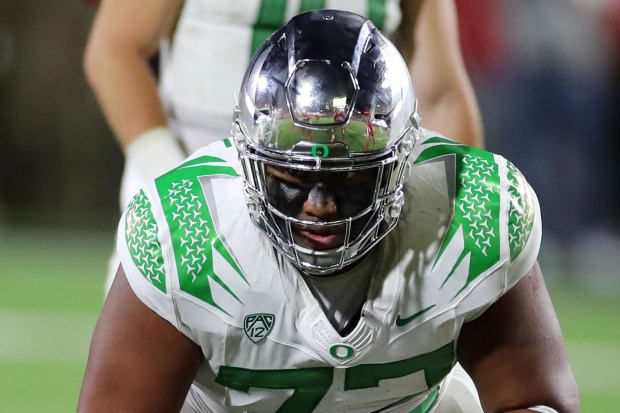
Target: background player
(205,46)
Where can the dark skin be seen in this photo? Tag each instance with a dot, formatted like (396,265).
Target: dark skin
(514,352)
(320,196)
(134,354)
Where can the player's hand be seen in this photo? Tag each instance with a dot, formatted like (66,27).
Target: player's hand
(154,152)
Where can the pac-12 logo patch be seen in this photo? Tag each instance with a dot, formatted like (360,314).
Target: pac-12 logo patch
(258,326)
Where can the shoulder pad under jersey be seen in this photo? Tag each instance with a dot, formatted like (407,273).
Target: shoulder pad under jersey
(494,230)
(167,238)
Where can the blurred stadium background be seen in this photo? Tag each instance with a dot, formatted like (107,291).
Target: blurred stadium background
(547,76)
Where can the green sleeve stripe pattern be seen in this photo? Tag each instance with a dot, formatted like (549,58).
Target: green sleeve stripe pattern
(439,139)
(521,214)
(377,13)
(309,5)
(193,234)
(141,237)
(476,206)
(270,18)
(201,160)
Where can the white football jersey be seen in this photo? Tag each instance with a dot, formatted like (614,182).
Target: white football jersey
(469,230)
(203,63)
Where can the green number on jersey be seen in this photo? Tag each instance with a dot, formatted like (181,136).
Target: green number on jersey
(435,365)
(311,384)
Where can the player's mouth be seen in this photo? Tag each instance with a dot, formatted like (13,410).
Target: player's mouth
(319,239)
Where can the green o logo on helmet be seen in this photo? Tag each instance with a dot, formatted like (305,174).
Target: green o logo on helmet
(320,149)
(342,351)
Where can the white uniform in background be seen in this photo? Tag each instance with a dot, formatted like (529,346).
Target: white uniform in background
(202,64)
(469,230)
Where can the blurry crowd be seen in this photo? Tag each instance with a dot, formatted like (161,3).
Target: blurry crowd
(547,76)
(546,73)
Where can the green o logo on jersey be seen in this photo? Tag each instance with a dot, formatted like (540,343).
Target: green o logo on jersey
(342,351)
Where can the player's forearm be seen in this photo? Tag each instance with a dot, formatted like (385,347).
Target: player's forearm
(125,88)
(447,100)
(455,114)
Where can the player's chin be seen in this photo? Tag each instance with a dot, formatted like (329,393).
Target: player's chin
(318,240)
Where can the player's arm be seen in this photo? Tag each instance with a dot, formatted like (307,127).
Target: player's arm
(515,352)
(138,362)
(124,35)
(428,38)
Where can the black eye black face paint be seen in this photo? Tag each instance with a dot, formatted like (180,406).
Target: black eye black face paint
(350,192)
(352,198)
(286,197)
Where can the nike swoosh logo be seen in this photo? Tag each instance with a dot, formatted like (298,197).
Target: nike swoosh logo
(404,321)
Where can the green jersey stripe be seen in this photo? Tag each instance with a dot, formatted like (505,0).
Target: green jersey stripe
(477,201)
(270,18)
(429,402)
(201,160)
(377,12)
(308,5)
(194,236)
(438,139)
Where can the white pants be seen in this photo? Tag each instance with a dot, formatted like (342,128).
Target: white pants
(461,395)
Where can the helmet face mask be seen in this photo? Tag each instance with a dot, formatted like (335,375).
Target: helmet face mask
(330,195)
(324,129)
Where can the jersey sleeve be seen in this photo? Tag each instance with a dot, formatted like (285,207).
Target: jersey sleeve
(524,226)
(139,243)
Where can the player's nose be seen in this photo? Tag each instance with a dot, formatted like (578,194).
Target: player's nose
(321,204)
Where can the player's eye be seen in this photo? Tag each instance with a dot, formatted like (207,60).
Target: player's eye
(297,173)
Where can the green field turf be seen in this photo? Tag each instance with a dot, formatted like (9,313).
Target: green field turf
(51,293)
(356,136)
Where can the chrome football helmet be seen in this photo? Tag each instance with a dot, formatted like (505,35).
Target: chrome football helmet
(326,98)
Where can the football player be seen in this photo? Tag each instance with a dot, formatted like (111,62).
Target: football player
(346,272)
